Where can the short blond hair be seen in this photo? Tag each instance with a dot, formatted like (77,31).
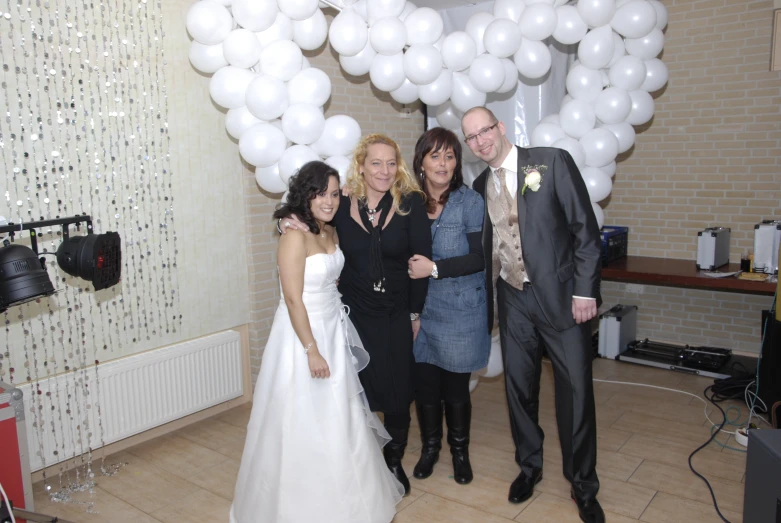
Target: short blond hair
(404,183)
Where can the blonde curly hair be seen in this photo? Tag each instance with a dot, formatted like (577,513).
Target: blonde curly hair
(404,183)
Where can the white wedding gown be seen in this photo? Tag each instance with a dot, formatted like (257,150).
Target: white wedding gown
(313,450)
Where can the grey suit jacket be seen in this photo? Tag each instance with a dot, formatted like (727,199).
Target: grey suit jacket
(560,238)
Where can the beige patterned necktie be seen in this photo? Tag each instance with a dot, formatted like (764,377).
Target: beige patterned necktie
(504,193)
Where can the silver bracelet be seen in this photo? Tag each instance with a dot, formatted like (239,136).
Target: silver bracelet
(309,346)
(279,229)
(413,316)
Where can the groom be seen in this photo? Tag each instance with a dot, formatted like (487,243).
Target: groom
(543,250)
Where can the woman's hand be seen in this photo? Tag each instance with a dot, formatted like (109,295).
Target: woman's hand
(415,328)
(419,267)
(317,365)
(346,190)
(291,222)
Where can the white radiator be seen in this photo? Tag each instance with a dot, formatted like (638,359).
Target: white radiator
(133,394)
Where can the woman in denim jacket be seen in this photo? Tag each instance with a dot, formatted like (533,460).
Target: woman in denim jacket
(452,341)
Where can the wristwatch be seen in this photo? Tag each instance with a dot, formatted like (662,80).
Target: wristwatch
(414,316)
(434,271)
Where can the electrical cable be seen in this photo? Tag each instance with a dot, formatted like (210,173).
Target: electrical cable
(7,504)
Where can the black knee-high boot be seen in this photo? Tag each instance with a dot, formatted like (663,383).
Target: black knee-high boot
(394,452)
(458,417)
(430,421)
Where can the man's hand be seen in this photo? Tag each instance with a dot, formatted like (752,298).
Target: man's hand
(583,310)
(291,222)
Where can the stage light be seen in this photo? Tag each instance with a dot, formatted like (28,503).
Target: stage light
(96,258)
(23,276)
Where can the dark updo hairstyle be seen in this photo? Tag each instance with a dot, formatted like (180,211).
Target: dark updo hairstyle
(437,139)
(310,180)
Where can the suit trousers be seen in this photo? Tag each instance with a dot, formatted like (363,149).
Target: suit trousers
(523,329)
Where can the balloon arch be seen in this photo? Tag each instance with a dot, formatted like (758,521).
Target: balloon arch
(253,49)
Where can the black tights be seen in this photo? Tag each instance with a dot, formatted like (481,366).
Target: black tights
(434,384)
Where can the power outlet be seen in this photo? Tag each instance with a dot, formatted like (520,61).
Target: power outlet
(635,288)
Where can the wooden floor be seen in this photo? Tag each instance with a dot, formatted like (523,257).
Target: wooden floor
(645,437)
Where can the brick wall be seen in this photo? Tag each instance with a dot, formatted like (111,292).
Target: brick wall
(712,157)
(375,111)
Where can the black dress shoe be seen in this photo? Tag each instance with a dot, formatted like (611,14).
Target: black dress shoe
(589,510)
(523,486)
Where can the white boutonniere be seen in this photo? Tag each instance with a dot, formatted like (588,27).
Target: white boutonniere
(533,178)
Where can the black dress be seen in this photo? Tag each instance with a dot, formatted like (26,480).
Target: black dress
(382,318)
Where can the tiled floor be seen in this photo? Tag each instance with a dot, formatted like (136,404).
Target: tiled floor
(645,437)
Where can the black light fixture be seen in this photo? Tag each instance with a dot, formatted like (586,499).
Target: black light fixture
(96,258)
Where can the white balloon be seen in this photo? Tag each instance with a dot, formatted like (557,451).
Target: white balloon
(546,134)
(406,94)
(269,180)
(628,73)
(642,107)
(495,366)
(475,28)
(624,133)
(510,76)
(361,8)
(502,38)
(465,95)
(241,48)
(438,44)
(577,118)
(584,83)
(340,136)
(619,50)
(634,19)
(311,33)
(303,123)
(388,35)
(207,58)
(487,73)
(599,214)
(661,13)
(596,48)
(239,120)
(612,105)
(208,22)
(530,2)
(422,63)
(381,8)
(458,51)
(647,47)
(298,9)
(360,63)
(293,159)
(281,59)
(509,9)
(262,145)
(552,118)
(473,383)
(348,33)
(533,59)
(600,146)
(448,116)
(408,8)
(228,86)
(610,169)
(387,72)
(598,183)
(574,148)
(255,15)
(438,91)
(342,165)
(267,97)
(424,26)
(570,27)
(281,29)
(538,21)
(656,75)
(596,12)
(311,86)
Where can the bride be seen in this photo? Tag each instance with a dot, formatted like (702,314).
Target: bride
(313,449)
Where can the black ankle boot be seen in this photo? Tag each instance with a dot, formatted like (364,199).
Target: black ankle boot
(394,452)
(430,421)
(458,417)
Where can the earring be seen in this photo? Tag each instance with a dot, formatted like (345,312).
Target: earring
(423,174)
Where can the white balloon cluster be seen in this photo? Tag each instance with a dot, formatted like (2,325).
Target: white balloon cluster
(253,48)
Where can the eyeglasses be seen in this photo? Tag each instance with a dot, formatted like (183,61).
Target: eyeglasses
(480,134)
